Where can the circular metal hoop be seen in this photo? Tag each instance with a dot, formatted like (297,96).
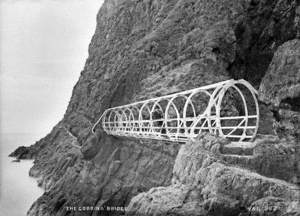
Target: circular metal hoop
(229,109)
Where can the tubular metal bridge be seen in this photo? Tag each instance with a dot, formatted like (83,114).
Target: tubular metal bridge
(229,109)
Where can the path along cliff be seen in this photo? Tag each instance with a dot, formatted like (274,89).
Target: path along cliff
(148,48)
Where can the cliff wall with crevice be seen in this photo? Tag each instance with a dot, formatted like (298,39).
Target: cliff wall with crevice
(148,48)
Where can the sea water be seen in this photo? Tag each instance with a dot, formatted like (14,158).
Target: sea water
(17,190)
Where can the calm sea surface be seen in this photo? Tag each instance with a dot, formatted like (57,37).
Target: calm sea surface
(17,190)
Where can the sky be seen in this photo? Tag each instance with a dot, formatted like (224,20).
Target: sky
(43,48)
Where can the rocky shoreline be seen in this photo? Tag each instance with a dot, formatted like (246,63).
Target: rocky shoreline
(147,48)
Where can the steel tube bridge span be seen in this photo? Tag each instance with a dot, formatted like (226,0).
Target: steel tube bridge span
(228,109)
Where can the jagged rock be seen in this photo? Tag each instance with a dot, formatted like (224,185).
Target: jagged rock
(91,147)
(203,184)
(21,152)
(281,84)
(146,48)
(281,87)
(274,206)
(271,156)
(267,25)
(266,120)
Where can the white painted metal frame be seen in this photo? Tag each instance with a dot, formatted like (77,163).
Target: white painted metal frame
(182,116)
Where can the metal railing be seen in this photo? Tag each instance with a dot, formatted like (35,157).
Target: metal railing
(229,109)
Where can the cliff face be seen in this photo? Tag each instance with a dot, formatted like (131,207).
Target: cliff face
(207,180)
(147,48)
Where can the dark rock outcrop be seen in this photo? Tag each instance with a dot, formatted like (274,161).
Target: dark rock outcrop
(21,152)
(148,48)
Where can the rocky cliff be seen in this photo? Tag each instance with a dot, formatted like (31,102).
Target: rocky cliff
(210,179)
(148,48)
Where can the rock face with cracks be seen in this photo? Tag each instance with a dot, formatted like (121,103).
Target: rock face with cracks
(148,48)
(204,184)
(280,88)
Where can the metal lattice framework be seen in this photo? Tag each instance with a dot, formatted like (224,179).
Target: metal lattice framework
(229,109)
